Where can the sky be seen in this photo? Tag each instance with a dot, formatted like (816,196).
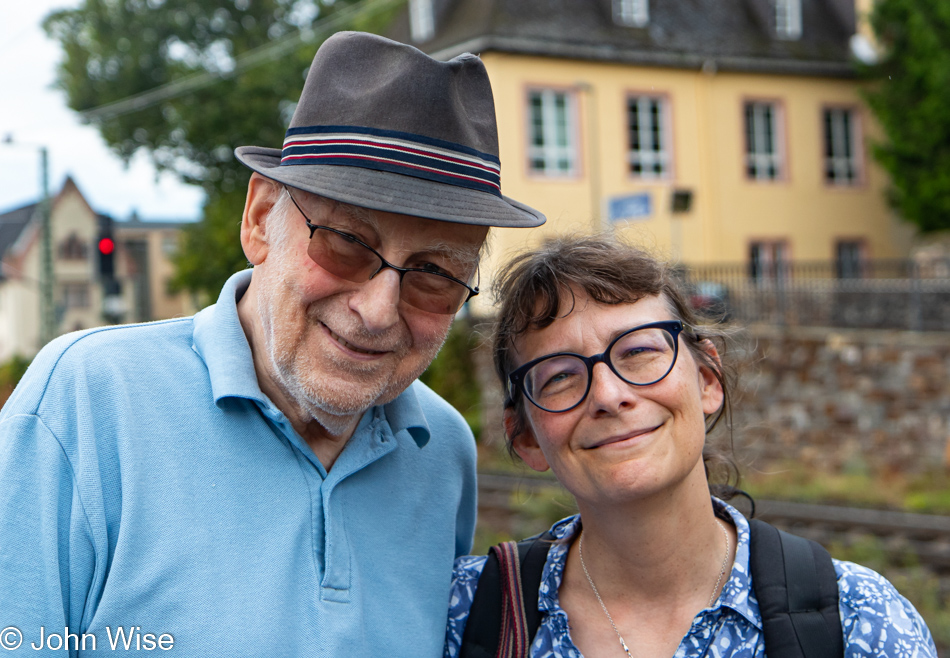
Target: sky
(36,115)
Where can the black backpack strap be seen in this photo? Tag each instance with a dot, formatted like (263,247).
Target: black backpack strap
(483,627)
(797,588)
(534,554)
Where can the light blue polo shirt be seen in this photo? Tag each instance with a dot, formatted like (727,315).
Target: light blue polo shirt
(147,484)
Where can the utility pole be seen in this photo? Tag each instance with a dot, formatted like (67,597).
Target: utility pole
(47,319)
(47,310)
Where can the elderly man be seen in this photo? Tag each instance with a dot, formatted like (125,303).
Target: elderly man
(267,478)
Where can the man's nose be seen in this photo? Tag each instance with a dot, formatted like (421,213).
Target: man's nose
(377,301)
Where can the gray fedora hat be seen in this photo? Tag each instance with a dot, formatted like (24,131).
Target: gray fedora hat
(382,125)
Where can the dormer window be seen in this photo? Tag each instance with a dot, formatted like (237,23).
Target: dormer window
(788,19)
(632,13)
(421,20)
(73,248)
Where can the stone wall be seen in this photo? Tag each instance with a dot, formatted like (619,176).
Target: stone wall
(843,399)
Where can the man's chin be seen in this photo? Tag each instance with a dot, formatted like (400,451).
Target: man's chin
(334,424)
(335,407)
(342,397)
(333,393)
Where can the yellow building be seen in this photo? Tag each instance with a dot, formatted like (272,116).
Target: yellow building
(710,130)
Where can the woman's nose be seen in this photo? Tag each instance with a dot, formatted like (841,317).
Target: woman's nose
(608,393)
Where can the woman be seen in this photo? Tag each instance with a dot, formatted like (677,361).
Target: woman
(653,565)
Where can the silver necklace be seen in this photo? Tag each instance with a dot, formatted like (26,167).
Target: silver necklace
(712,597)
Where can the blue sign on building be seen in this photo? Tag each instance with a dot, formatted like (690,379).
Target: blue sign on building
(631,207)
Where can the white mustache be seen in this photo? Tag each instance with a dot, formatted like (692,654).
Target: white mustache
(359,339)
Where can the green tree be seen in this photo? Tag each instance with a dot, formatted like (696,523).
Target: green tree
(10,374)
(210,250)
(187,81)
(911,99)
(452,374)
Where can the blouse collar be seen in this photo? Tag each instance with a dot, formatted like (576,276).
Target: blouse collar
(736,594)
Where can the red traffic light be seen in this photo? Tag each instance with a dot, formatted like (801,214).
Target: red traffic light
(106,246)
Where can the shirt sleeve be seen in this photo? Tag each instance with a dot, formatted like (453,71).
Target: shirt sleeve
(47,559)
(465,577)
(876,620)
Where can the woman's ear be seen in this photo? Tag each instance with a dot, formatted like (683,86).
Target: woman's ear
(262,194)
(710,386)
(523,441)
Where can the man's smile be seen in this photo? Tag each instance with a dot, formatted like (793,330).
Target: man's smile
(350,346)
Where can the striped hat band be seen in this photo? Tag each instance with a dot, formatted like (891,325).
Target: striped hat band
(393,151)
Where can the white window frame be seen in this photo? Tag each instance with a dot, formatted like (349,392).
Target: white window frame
(768,260)
(850,258)
(842,134)
(76,295)
(73,248)
(170,244)
(632,13)
(764,147)
(650,153)
(788,19)
(555,146)
(421,20)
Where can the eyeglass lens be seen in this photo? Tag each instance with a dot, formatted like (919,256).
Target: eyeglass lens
(355,262)
(641,357)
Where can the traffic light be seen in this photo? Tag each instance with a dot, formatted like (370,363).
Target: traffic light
(105,247)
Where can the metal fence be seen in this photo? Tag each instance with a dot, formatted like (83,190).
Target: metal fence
(878,294)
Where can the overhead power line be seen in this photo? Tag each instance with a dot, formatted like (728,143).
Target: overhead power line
(250,59)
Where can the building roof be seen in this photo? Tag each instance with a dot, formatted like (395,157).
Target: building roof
(12,224)
(737,35)
(137,224)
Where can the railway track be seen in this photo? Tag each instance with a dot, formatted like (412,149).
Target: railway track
(924,537)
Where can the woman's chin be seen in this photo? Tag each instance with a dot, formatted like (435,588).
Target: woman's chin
(635,480)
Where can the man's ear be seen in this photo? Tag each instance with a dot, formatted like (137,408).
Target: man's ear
(262,194)
(710,388)
(524,442)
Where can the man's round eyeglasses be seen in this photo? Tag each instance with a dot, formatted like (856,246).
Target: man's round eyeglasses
(560,382)
(348,257)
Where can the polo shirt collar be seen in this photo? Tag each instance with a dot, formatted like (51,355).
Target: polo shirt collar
(405,413)
(220,341)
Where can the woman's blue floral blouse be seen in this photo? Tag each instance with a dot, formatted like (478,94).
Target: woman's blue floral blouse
(876,619)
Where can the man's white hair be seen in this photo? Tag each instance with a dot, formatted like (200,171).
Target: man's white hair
(277,222)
